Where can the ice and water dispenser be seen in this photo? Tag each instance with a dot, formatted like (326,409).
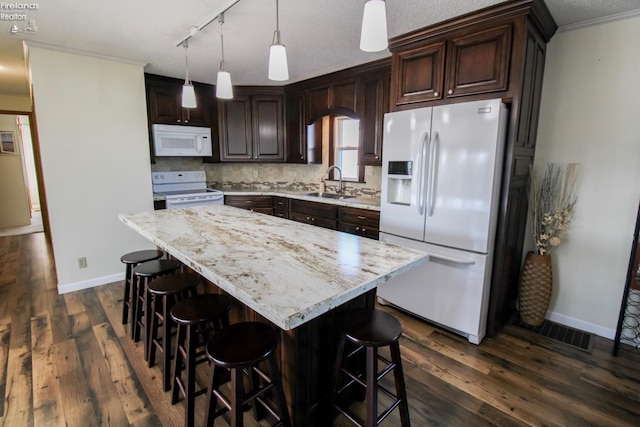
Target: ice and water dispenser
(399,182)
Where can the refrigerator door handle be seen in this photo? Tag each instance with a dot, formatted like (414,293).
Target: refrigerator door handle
(433,165)
(420,160)
(452,259)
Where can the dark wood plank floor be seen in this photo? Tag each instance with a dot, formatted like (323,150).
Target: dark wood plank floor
(67,360)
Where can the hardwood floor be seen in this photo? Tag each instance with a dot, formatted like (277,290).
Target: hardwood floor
(67,360)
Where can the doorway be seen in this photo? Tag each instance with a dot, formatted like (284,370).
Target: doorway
(20,205)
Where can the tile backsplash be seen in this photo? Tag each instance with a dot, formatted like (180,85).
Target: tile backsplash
(271,175)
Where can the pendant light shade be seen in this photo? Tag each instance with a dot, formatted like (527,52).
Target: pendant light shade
(224,89)
(188,93)
(278,66)
(188,96)
(373,37)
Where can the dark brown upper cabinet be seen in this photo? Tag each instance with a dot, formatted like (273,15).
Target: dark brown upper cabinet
(252,126)
(375,103)
(467,62)
(479,62)
(164,102)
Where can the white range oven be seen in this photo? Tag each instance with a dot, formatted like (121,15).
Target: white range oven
(185,189)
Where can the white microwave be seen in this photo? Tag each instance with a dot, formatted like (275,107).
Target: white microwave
(173,140)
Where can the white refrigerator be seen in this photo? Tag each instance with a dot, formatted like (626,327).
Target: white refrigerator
(440,189)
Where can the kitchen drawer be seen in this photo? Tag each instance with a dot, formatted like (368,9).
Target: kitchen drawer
(250,202)
(268,211)
(280,203)
(281,213)
(362,217)
(371,233)
(315,220)
(323,210)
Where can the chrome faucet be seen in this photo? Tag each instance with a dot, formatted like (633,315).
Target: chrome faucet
(339,179)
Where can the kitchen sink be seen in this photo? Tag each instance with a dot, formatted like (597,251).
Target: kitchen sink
(328,195)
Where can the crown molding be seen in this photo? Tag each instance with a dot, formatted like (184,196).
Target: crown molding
(82,53)
(597,21)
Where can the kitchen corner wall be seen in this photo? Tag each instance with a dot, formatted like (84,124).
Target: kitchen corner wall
(589,114)
(277,175)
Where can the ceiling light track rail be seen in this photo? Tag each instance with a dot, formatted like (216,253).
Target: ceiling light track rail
(211,18)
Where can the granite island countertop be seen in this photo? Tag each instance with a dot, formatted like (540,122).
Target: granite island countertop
(286,271)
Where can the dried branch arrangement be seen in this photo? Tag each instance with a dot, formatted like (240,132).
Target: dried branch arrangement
(552,199)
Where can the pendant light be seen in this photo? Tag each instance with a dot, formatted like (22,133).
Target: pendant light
(278,67)
(373,37)
(188,94)
(224,90)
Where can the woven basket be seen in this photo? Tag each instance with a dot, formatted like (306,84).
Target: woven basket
(535,288)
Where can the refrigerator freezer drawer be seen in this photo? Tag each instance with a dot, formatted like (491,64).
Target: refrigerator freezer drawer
(451,289)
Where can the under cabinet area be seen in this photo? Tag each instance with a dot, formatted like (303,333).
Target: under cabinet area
(252,126)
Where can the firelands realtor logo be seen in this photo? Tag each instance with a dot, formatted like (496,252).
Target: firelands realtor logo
(16,12)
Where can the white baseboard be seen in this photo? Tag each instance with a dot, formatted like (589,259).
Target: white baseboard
(582,325)
(70,287)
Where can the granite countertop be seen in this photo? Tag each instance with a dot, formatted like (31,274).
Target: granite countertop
(286,271)
(362,202)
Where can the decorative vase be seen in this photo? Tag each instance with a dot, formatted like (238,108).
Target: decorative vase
(535,288)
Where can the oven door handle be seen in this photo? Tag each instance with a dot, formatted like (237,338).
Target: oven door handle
(193,199)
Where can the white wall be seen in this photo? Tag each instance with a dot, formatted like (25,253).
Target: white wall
(590,114)
(14,205)
(92,126)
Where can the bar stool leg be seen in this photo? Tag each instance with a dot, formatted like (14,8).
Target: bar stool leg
(336,368)
(237,391)
(372,387)
(401,391)
(126,304)
(190,386)
(153,330)
(177,363)
(134,330)
(148,313)
(166,343)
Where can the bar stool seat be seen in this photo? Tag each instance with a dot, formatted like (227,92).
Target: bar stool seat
(131,260)
(165,292)
(141,303)
(196,318)
(243,346)
(369,329)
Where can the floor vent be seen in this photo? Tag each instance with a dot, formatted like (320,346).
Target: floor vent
(564,334)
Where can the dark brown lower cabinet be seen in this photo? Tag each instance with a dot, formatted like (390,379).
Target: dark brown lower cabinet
(362,222)
(262,204)
(281,207)
(319,214)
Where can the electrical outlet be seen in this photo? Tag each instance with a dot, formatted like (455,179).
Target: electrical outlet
(82,262)
(255,174)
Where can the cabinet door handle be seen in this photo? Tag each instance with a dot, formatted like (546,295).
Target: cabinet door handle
(450,92)
(281,203)
(249,156)
(313,219)
(302,157)
(179,121)
(364,230)
(308,218)
(436,93)
(362,217)
(357,228)
(377,157)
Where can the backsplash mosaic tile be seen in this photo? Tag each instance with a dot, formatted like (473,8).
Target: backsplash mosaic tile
(264,176)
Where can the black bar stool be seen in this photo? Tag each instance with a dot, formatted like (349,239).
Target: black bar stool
(165,292)
(196,318)
(243,346)
(370,329)
(143,274)
(131,260)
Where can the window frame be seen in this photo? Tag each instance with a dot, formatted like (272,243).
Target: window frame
(333,149)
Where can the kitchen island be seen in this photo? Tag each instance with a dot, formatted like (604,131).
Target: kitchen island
(296,276)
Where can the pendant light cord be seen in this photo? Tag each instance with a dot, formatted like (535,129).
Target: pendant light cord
(187,80)
(276,33)
(222,41)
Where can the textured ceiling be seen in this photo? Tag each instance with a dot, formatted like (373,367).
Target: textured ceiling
(321,36)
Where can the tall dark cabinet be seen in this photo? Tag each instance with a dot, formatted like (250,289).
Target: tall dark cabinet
(497,52)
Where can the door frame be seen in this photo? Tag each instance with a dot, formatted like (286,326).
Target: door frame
(37,158)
